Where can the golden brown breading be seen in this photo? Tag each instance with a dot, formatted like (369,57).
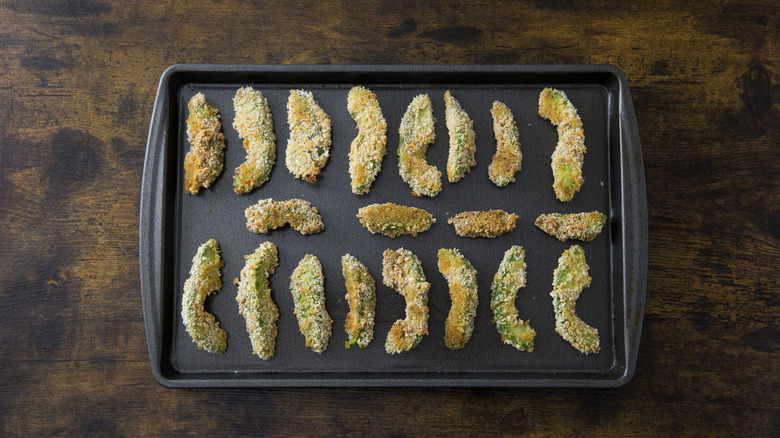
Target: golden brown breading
(462,280)
(402,271)
(268,214)
(369,148)
(582,226)
(394,220)
(361,296)
(204,161)
(492,223)
(507,159)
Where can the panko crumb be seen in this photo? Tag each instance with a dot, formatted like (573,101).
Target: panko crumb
(369,148)
(308,147)
(490,224)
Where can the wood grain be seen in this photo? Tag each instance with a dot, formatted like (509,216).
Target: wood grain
(76,91)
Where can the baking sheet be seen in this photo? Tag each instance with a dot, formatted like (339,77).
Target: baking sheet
(174,224)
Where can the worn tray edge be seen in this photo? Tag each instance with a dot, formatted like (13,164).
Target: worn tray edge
(150,219)
(635,227)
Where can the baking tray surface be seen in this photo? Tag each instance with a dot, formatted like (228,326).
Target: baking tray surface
(173,225)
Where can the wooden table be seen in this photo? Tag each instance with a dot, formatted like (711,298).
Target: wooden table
(76,92)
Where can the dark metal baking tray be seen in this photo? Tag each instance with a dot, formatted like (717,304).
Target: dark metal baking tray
(173,224)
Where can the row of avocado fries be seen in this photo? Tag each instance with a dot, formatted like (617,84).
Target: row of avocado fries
(308,146)
(394,220)
(402,271)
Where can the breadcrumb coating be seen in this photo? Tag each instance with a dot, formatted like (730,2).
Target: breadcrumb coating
(254,299)
(569,153)
(394,220)
(204,280)
(569,278)
(204,161)
(402,271)
(416,135)
(268,214)
(581,226)
(462,280)
(509,278)
(508,158)
(462,139)
(369,148)
(307,285)
(490,224)
(308,147)
(361,296)
(255,126)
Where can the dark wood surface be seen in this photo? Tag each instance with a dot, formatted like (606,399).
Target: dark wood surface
(77,84)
